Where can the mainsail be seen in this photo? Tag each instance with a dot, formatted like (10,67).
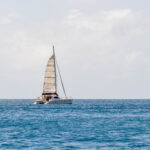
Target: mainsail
(50,76)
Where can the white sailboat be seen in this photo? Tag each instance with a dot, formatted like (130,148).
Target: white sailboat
(50,95)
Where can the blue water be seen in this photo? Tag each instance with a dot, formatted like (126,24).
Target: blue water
(87,124)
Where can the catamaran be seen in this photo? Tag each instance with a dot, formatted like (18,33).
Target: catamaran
(50,94)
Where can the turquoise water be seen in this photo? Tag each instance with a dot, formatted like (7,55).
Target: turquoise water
(87,124)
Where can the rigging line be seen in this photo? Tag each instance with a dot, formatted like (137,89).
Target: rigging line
(61,79)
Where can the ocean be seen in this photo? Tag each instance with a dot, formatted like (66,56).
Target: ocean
(86,124)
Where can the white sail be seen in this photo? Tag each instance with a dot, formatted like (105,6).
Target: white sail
(50,77)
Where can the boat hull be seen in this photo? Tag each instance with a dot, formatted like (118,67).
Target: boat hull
(59,101)
(54,101)
(39,102)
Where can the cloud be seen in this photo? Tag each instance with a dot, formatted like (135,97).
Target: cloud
(108,34)
(107,46)
(7,19)
(98,52)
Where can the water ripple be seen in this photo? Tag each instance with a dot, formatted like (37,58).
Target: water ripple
(87,124)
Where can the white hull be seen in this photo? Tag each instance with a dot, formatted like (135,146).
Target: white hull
(54,101)
(39,102)
(59,101)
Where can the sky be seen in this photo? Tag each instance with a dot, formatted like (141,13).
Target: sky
(102,47)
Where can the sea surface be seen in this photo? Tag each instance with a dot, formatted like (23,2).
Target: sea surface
(86,124)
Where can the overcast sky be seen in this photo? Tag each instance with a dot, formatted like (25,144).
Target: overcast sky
(102,47)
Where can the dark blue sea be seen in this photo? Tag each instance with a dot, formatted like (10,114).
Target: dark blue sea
(86,124)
